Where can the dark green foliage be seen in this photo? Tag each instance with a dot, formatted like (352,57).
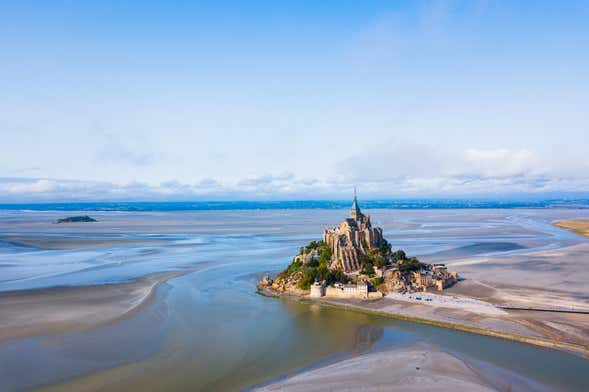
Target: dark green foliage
(313,245)
(313,263)
(323,274)
(378,261)
(74,219)
(325,256)
(339,276)
(385,249)
(400,255)
(294,266)
(412,264)
(319,268)
(364,259)
(309,275)
(367,269)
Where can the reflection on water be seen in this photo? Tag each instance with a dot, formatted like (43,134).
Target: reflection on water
(365,336)
(211,331)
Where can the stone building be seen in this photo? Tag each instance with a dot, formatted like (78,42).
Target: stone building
(317,290)
(353,236)
(306,258)
(429,277)
(349,291)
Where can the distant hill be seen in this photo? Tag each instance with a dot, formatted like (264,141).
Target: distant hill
(72,219)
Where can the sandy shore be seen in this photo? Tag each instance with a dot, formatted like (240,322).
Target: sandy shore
(417,368)
(68,309)
(579,226)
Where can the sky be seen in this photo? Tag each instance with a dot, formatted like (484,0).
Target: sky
(247,100)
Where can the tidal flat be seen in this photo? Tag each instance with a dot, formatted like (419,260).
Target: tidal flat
(204,327)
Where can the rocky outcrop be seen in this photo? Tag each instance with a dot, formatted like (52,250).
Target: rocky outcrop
(288,283)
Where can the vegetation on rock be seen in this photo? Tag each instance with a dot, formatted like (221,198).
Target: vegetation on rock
(312,264)
(73,219)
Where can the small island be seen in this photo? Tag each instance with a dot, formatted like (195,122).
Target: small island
(76,219)
(354,260)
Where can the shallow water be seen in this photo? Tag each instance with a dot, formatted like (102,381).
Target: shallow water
(209,330)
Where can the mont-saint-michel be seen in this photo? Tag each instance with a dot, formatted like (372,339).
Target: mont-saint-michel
(353,266)
(178,212)
(354,260)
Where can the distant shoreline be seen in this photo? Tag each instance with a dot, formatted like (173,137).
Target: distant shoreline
(403,204)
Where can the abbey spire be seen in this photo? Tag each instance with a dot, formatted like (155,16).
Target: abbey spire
(355,212)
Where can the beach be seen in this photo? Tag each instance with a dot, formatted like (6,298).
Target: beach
(579,226)
(414,368)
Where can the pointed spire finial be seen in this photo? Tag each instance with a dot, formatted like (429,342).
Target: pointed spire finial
(355,212)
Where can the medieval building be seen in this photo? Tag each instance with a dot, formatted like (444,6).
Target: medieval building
(354,235)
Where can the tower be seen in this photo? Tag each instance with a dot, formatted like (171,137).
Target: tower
(355,211)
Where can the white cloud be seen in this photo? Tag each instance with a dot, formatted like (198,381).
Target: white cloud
(401,170)
(422,170)
(36,186)
(499,163)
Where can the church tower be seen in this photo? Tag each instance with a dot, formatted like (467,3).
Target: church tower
(355,211)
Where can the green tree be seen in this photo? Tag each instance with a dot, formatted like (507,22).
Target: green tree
(367,269)
(309,275)
(363,259)
(294,266)
(385,249)
(378,261)
(323,274)
(325,256)
(400,255)
(412,264)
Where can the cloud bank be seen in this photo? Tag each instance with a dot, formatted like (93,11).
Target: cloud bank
(399,171)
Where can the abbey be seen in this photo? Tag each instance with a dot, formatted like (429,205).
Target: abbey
(353,236)
(354,260)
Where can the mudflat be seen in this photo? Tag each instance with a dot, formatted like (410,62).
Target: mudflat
(55,243)
(416,368)
(68,309)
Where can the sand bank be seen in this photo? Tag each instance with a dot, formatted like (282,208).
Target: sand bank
(416,368)
(579,226)
(68,309)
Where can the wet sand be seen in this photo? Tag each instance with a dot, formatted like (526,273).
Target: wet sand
(417,368)
(57,243)
(73,309)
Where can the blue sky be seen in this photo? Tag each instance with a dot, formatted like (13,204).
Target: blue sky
(285,100)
